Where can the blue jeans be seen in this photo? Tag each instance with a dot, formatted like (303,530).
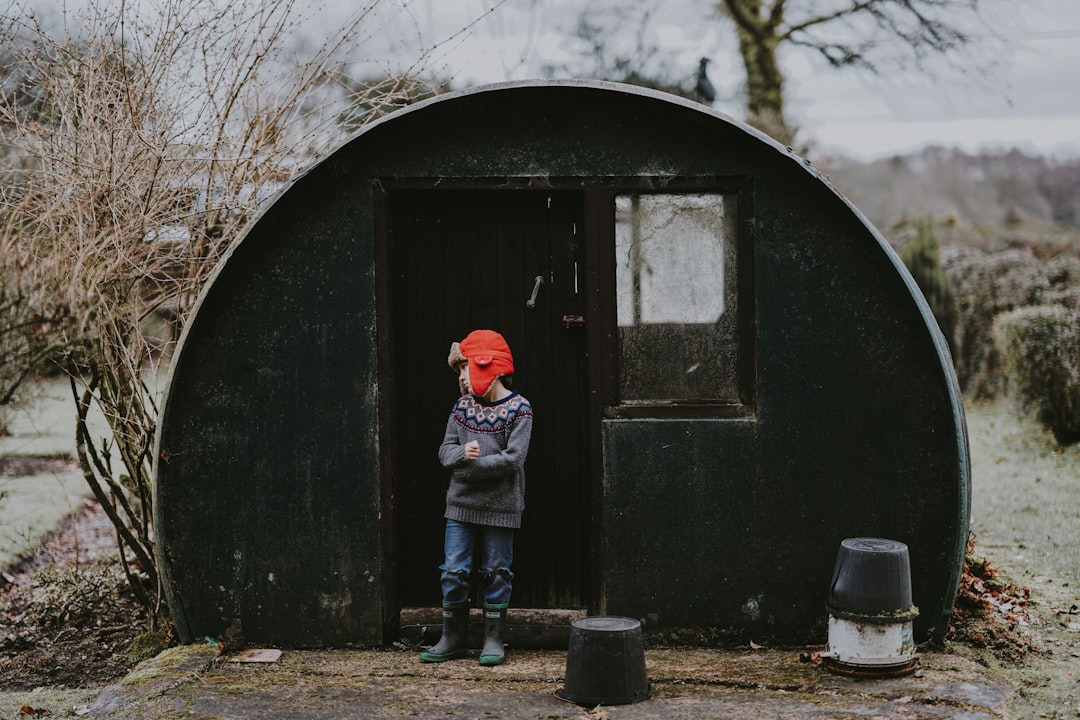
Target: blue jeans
(492,548)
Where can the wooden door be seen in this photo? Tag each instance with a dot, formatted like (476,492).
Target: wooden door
(458,260)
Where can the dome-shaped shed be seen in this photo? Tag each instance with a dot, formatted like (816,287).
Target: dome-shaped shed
(730,369)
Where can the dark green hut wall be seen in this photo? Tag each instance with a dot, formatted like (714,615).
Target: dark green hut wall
(854,435)
(268,504)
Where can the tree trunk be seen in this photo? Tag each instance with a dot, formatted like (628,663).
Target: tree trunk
(758,43)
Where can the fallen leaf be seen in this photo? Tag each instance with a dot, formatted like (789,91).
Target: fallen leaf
(80,710)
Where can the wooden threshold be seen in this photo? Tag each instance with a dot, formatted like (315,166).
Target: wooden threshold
(526,628)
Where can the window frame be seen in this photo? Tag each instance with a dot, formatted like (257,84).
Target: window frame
(602,212)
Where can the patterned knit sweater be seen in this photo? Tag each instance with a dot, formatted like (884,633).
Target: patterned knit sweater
(489,490)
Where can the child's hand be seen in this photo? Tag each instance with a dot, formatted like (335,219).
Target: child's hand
(472,450)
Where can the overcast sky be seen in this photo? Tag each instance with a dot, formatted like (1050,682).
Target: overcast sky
(1033,102)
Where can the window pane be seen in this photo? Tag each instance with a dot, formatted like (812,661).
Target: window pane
(676,288)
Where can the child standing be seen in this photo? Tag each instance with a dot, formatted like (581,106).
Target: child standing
(486,441)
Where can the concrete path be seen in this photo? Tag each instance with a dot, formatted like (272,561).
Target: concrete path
(194,682)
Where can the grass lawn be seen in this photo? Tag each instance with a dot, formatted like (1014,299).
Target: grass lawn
(31,506)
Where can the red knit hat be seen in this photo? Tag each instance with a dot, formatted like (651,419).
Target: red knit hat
(489,357)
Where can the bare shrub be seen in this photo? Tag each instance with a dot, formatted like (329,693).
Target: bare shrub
(1041,346)
(61,595)
(33,307)
(137,148)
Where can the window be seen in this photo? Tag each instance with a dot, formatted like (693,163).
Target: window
(677,298)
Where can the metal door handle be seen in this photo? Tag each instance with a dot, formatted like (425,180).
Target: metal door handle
(536,289)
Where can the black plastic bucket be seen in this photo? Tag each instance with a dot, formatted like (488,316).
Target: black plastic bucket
(605,664)
(871,581)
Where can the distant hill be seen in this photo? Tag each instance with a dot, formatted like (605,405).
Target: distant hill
(986,189)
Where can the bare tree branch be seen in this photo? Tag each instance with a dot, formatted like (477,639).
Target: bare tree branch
(868,35)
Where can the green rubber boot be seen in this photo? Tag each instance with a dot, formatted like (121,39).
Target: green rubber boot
(494,651)
(451,646)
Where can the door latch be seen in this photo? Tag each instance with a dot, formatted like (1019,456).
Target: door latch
(531,303)
(573,321)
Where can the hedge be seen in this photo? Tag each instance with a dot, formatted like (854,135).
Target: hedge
(1041,347)
(990,283)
